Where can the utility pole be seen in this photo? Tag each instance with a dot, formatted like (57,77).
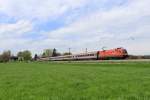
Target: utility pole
(86,50)
(69,51)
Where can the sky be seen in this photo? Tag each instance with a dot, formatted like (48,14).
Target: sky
(77,24)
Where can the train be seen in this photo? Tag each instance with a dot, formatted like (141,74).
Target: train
(117,53)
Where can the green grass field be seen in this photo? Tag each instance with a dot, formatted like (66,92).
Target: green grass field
(75,81)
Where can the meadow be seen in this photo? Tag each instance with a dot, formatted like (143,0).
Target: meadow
(75,81)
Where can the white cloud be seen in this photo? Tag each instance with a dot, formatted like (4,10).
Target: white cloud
(111,28)
(12,35)
(119,23)
(38,9)
(15,30)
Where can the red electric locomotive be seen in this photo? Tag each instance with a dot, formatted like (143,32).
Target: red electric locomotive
(118,53)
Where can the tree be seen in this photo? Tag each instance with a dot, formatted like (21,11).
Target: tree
(27,55)
(54,53)
(1,58)
(24,56)
(67,53)
(47,53)
(20,56)
(5,57)
(35,57)
(59,54)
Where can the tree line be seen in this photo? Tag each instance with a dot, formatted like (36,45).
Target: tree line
(26,55)
(7,56)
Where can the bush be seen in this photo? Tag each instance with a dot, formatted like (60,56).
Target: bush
(5,57)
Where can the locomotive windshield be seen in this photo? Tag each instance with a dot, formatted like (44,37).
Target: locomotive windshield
(125,51)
